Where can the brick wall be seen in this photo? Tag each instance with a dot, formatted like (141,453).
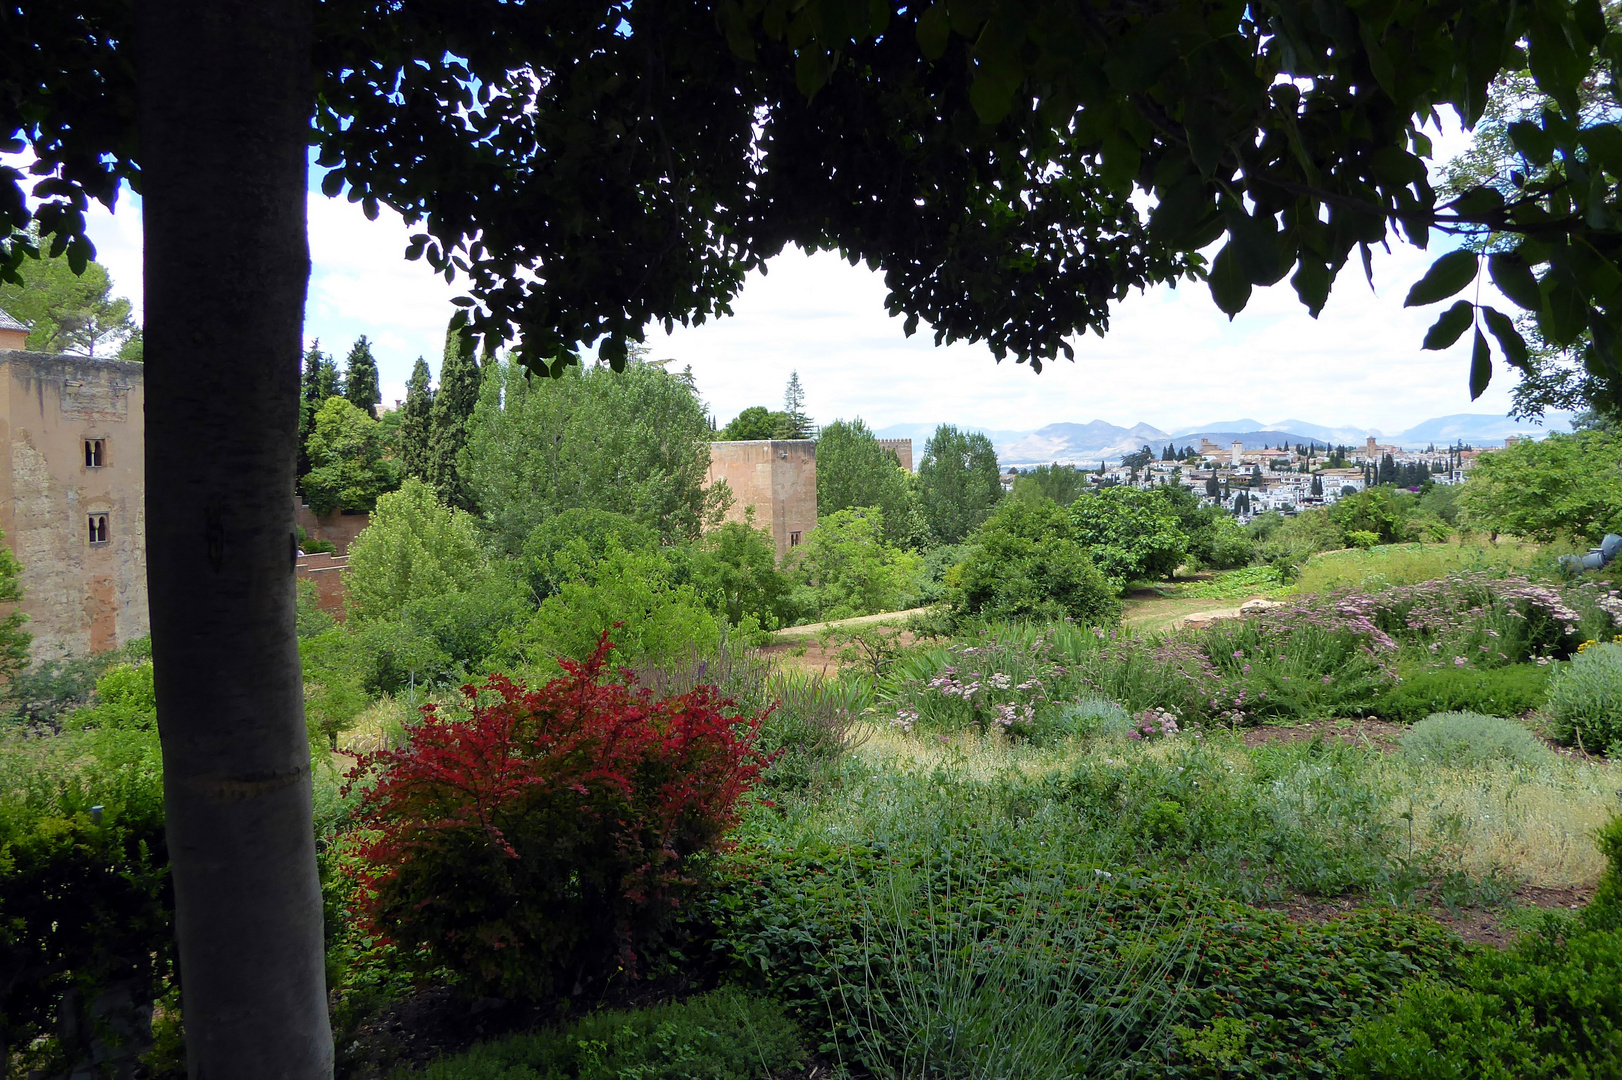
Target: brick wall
(327,571)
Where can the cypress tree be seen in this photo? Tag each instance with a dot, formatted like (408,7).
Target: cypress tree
(415,417)
(448,418)
(360,377)
(317,382)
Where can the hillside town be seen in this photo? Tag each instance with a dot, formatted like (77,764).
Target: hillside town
(1288,478)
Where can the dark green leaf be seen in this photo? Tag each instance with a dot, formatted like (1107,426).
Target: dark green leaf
(1230,287)
(1446,276)
(1121,156)
(1534,143)
(1480,366)
(1204,142)
(1604,145)
(1478,202)
(1453,322)
(332,184)
(1513,276)
(1181,210)
(1509,338)
(1311,283)
(1564,314)
(811,70)
(934,30)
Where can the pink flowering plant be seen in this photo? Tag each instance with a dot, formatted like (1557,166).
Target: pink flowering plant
(1305,659)
(999,682)
(1488,621)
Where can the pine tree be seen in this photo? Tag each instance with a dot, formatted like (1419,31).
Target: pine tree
(449,416)
(795,425)
(360,378)
(415,418)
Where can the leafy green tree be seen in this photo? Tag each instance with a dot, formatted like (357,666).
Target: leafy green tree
(1562,485)
(449,417)
(416,424)
(853,470)
(633,595)
(845,568)
(318,382)
(1025,563)
(1382,511)
(1131,535)
(360,377)
(414,548)
(347,468)
(734,568)
(1061,484)
(958,482)
(68,311)
(755,423)
(635,442)
(555,550)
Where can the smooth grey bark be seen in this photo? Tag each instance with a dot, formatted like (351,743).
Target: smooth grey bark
(225,102)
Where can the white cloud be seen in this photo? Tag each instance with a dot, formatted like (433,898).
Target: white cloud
(360,283)
(1171,358)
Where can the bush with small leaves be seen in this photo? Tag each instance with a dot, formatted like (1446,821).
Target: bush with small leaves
(1585,699)
(1467,739)
(548,838)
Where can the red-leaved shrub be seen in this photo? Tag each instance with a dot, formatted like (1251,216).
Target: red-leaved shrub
(542,841)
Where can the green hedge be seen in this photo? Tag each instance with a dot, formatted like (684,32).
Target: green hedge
(1505,691)
(86,905)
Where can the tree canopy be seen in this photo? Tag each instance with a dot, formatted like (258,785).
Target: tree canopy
(1565,484)
(957,482)
(347,468)
(360,377)
(635,442)
(984,155)
(854,470)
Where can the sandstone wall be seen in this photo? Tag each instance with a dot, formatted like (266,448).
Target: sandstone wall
(81,596)
(778,478)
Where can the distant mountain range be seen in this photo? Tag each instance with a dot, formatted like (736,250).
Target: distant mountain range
(1088,444)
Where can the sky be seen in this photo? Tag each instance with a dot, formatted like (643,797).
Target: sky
(1170,359)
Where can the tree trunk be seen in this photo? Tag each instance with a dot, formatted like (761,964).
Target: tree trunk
(226,98)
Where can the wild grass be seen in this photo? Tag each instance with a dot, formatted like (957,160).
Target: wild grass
(1410,564)
(1239,584)
(1532,825)
(1514,822)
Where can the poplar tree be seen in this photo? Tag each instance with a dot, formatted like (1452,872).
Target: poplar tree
(360,378)
(415,421)
(448,418)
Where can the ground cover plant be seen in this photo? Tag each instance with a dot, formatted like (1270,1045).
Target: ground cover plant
(724,1035)
(894,899)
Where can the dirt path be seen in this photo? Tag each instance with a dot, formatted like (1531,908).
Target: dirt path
(811,630)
